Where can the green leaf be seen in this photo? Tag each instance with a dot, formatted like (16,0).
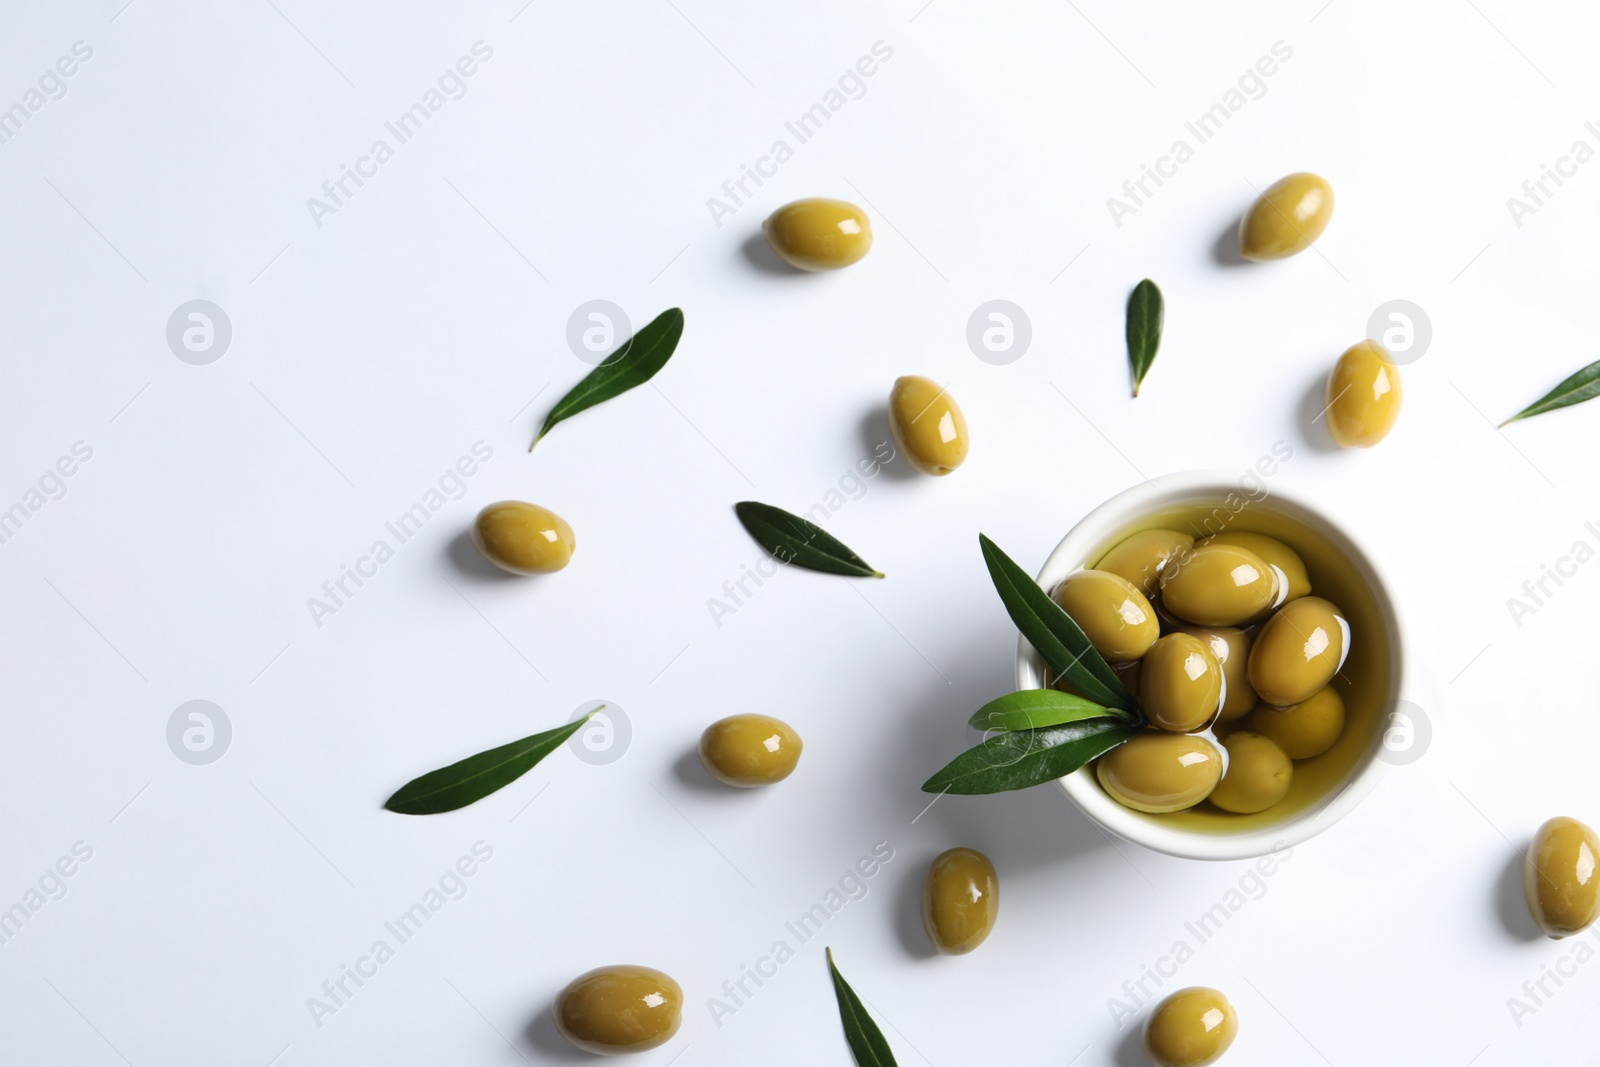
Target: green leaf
(1023,758)
(1584,385)
(792,539)
(635,363)
(1147,313)
(866,1041)
(1028,709)
(1050,630)
(475,777)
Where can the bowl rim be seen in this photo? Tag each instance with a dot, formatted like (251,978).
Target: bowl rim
(1174,490)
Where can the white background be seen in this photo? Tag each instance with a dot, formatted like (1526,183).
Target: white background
(368,354)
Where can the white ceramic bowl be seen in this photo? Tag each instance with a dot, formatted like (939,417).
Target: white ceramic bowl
(1098,531)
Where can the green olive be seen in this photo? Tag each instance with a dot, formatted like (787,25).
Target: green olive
(1140,558)
(818,233)
(927,425)
(1191,1028)
(611,1010)
(1286,218)
(750,750)
(960,900)
(1363,396)
(1562,877)
(1220,585)
(1231,646)
(1115,616)
(523,538)
(1160,772)
(1298,651)
(1306,729)
(1180,682)
(1276,553)
(1257,777)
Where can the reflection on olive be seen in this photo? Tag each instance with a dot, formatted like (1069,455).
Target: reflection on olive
(1276,553)
(1139,558)
(1258,774)
(819,233)
(1306,729)
(523,538)
(927,425)
(1191,1028)
(1363,398)
(612,1010)
(960,900)
(1158,772)
(750,750)
(1286,218)
(1561,877)
(1220,585)
(1114,616)
(1180,683)
(1298,651)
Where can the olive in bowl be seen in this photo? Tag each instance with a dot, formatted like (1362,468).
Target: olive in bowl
(1378,677)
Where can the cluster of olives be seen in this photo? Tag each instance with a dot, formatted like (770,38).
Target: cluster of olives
(1216,637)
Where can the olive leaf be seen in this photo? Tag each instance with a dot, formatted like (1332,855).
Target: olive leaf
(1022,758)
(801,542)
(1584,385)
(475,777)
(1028,709)
(867,1043)
(1053,632)
(1147,313)
(635,363)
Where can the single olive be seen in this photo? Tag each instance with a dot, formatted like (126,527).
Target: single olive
(1286,218)
(1562,877)
(612,1010)
(1180,682)
(1231,646)
(1306,729)
(750,750)
(1220,585)
(1258,774)
(927,425)
(1114,616)
(1160,772)
(1298,651)
(1276,553)
(818,233)
(1191,1028)
(523,538)
(960,900)
(1363,396)
(1140,558)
